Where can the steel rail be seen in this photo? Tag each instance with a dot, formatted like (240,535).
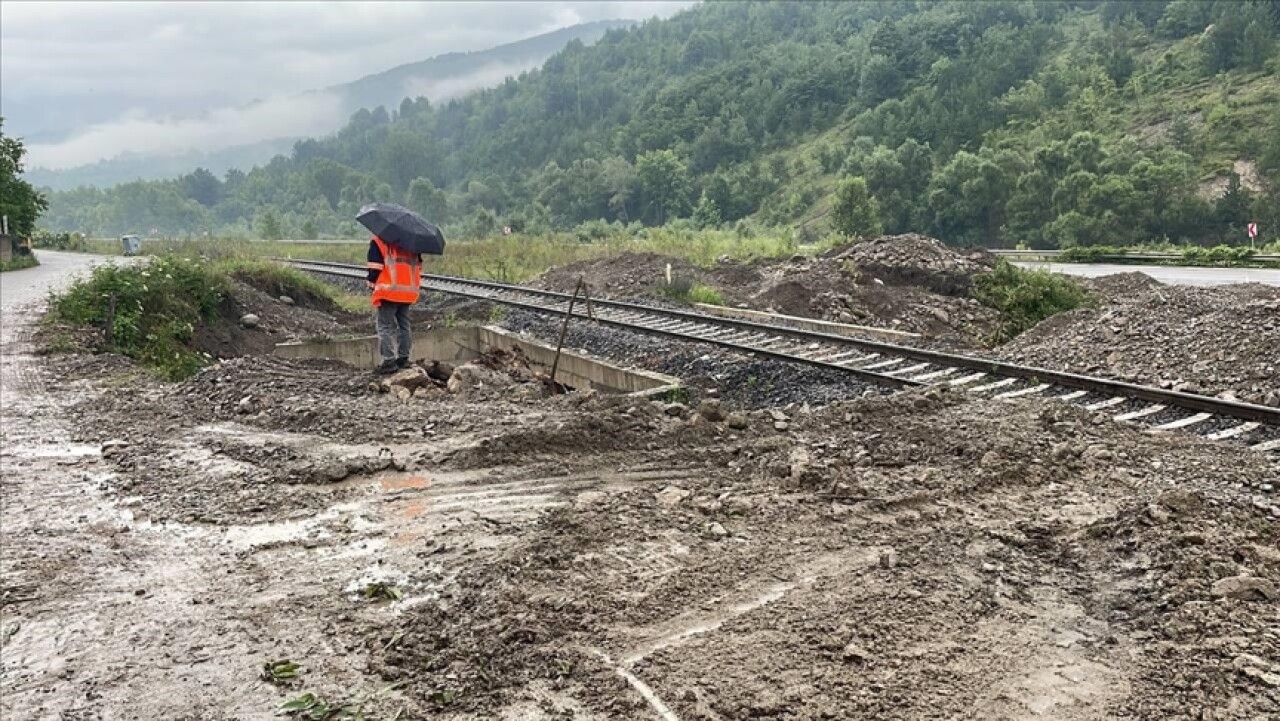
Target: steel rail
(1218,406)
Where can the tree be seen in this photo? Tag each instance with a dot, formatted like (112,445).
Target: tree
(309,230)
(19,201)
(269,226)
(855,213)
(706,214)
(1256,45)
(202,187)
(425,199)
(664,182)
(1233,209)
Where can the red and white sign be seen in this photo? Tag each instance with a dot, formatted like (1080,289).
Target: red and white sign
(1253,230)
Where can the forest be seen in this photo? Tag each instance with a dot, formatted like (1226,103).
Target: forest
(1049,124)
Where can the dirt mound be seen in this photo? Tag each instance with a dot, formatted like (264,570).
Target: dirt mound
(277,322)
(619,276)
(1123,286)
(1202,340)
(906,282)
(916,260)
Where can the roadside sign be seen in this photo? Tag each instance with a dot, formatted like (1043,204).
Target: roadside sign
(506,230)
(1253,230)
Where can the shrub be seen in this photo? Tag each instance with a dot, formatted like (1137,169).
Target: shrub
(1026,297)
(157,308)
(19,262)
(705,294)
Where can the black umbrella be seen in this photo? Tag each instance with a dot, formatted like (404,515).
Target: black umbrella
(402,227)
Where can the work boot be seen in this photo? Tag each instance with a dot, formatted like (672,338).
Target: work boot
(387,368)
(402,363)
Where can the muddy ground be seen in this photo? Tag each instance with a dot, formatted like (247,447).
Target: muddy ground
(585,556)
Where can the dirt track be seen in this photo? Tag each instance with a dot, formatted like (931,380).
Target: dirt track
(918,556)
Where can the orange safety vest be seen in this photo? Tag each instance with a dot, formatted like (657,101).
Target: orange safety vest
(399,276)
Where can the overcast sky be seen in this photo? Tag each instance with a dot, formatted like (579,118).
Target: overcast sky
(245,50)
(150,59)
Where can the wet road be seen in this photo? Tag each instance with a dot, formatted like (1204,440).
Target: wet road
(1173,275)
(56,270)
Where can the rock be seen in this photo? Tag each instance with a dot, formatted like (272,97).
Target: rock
(245,405)
(470,376)
(737,420)
(411,379)
(404,395)
(671,496)
(780,425)
(712,409)
(717,530)
(1258,669)
(1244,588)
(888,559)
(286,300)
(778,415)
(676,410)
(800,461)
(249,320)
(855,653)
(113,448)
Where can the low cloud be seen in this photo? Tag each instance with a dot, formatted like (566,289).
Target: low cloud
(439,89)
(307,115)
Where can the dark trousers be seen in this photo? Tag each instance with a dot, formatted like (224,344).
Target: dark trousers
(394,336)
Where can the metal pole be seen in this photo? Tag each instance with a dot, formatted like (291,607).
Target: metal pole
(564,328)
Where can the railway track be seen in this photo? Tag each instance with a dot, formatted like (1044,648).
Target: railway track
(888,364)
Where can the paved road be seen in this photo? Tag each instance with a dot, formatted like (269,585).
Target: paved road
(1174,275)
(56,270)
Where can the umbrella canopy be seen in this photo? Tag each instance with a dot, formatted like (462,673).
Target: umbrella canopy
(402,227)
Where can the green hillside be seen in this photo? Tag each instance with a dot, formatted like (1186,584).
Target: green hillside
(1054,124)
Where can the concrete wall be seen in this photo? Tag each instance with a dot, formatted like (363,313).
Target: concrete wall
(455,345)
(458,345)
(813,324)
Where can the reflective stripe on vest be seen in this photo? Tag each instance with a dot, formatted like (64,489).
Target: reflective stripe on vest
(400,277)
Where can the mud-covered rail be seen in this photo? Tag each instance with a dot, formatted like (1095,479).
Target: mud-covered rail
(887,364)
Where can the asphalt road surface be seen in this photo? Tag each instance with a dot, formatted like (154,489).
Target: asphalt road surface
(1173,275)
(56,270)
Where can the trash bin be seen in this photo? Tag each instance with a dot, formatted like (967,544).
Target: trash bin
(132,244)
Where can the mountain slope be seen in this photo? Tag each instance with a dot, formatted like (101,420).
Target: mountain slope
(1058,124)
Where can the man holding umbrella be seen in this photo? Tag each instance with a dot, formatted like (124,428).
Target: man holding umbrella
(400,237)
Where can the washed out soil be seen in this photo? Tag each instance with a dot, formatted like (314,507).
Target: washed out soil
(906,556)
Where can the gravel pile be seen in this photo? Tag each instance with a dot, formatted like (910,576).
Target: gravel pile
(745,381)
(1223,340)
(906,282)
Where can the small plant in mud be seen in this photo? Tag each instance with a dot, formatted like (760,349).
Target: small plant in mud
(679,394)
(281,673)
(497,313)
(317,708)
(381,591)
(147,312)
(313,707)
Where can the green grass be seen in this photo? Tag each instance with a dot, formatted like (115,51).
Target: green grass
(1026,297)
(160,306)
(19,262)
(510,259)
(147,312)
